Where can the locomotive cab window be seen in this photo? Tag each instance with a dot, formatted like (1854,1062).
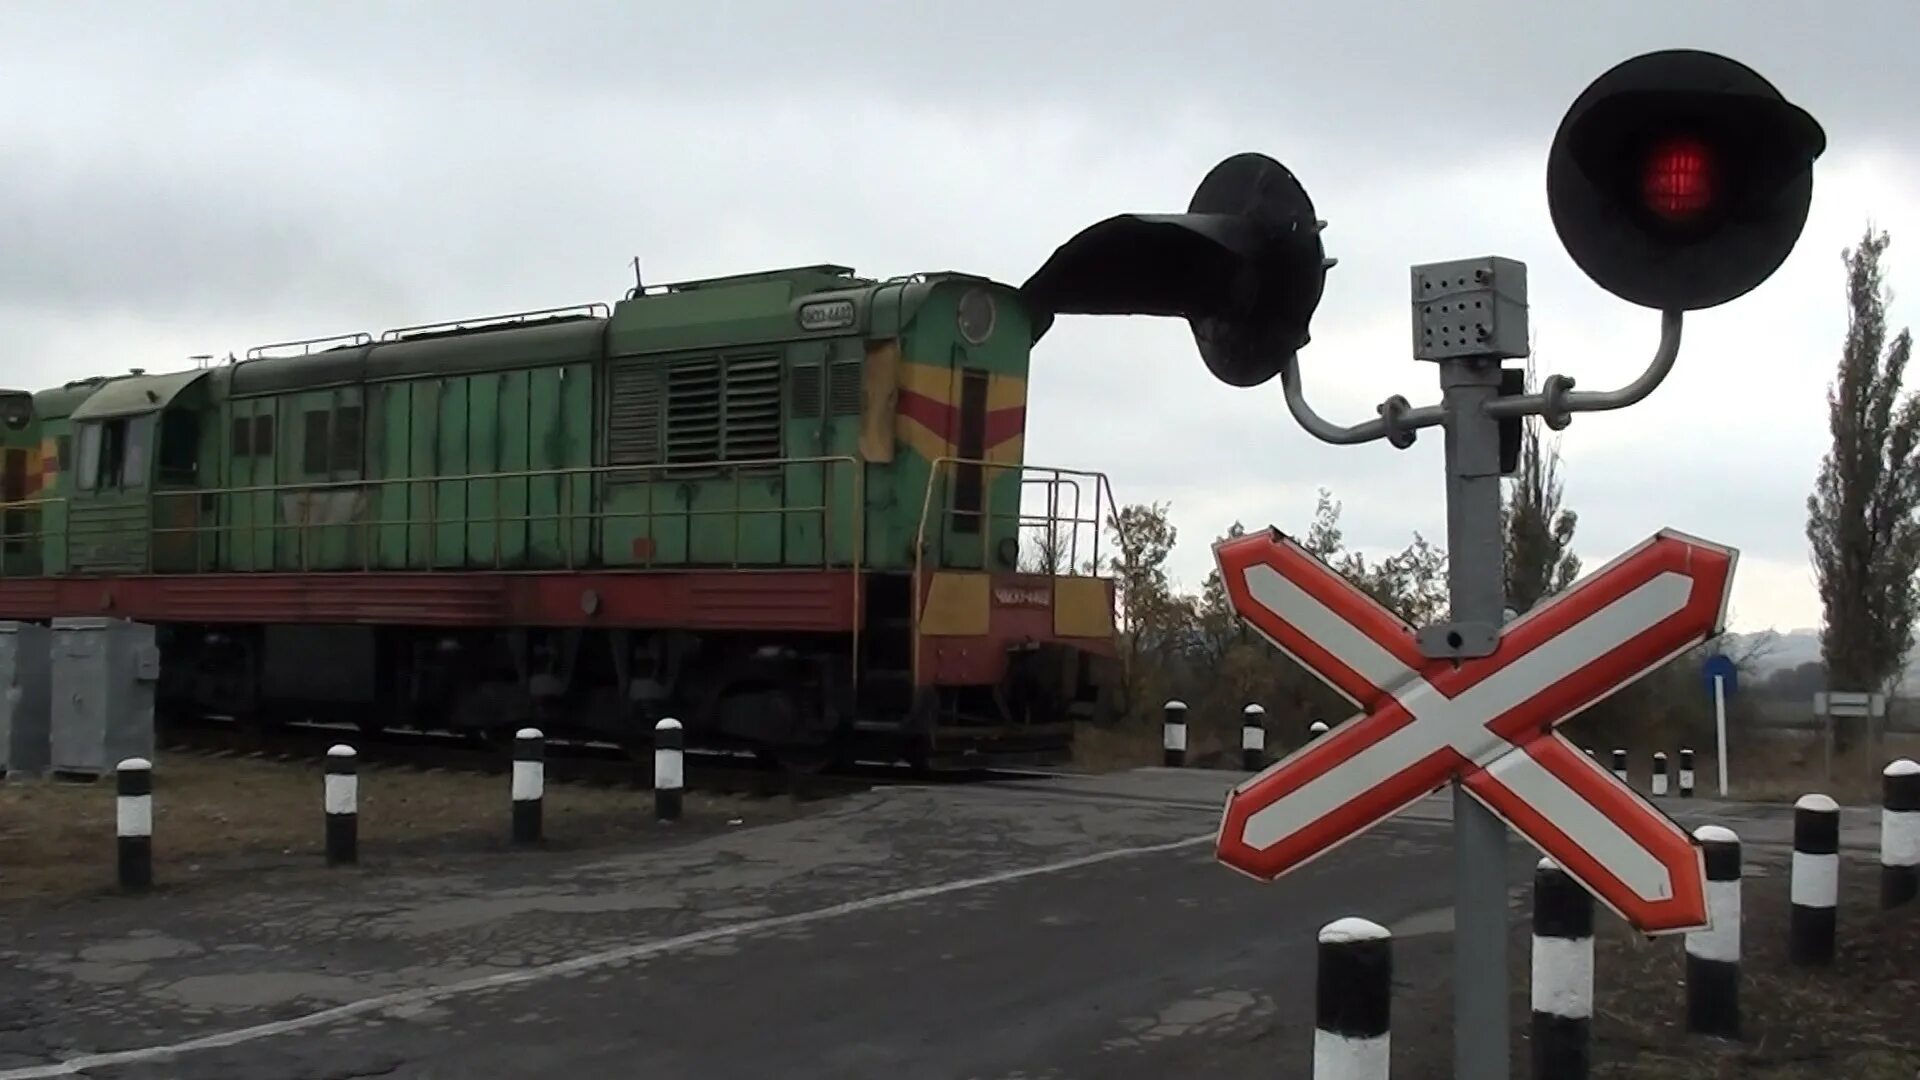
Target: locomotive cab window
(113,453)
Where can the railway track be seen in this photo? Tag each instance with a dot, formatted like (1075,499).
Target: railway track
(567,761)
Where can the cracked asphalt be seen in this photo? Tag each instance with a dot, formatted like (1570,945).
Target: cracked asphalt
(1034,929)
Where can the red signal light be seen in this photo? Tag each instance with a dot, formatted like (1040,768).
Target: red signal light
(1677,179)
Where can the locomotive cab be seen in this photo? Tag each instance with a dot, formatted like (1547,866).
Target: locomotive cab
(133,504)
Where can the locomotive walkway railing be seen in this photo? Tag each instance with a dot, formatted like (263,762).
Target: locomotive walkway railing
(316,513)
(242,528)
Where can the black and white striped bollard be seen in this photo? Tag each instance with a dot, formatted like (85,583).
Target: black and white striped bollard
(133,822)
(1713,954)
(1562,974)
(1815,888)
(1620,765)
(1686,773)
(1318,729)
(1660,772)
(529,784)
(1353,1001)
(1173,734)
(1900,834)
(342,799)
(1253,738)
(669,769)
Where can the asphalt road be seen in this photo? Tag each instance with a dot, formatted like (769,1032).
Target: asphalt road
(1043,929)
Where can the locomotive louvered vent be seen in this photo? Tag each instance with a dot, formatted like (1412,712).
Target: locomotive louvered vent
(803,389)
(633,414)
(753,408)
(693,412)
(843,390)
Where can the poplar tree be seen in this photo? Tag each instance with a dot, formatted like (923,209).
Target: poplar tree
(1861,516)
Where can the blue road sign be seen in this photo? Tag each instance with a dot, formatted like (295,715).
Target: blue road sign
(1720,666)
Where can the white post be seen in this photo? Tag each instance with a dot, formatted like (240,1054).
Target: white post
(669,768)
(340,792)
(1720,727)
(1900,834)
(1353,1002)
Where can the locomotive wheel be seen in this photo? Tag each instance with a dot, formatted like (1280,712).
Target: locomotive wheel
(804,741)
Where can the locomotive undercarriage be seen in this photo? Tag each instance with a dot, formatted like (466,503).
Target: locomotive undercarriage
(787,697)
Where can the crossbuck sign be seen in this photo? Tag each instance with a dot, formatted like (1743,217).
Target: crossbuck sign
(1487,721)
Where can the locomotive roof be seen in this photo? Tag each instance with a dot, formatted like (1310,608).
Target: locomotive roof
(135,395)
(58,402)
(823,300)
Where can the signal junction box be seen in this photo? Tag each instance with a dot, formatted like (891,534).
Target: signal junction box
(104,675)
(25,698)
(1470,308)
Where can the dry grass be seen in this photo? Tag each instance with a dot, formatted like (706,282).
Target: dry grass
(1110,749)
(1134,745)
(1781,768)
(216,817)
(1858,1020)
(1776,768)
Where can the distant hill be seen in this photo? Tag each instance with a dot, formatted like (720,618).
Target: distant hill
(1778,649)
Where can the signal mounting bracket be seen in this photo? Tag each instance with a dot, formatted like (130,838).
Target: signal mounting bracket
(1470,309)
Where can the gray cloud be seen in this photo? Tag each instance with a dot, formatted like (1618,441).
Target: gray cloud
(202,177)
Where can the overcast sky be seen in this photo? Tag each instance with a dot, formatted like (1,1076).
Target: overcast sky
(196,178)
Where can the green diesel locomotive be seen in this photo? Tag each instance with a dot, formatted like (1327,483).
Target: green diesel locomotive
(787,508)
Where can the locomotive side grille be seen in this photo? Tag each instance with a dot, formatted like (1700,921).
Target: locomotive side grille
(803,387)
(633,414)
(707,408)
(843,393)
(753,408)
(693,412)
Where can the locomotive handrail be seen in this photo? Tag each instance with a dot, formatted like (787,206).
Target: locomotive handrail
(259,352)
(564,517)
(13,514)
(567,517)
(1102,488)
(594,310)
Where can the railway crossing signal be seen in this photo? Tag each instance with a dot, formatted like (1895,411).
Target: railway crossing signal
(1677,180)
(1487,722)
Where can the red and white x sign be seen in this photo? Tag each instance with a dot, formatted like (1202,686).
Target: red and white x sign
(1488,721)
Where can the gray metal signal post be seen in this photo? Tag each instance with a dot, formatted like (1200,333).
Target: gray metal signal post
(1468,316)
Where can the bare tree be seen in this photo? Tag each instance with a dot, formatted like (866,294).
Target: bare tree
(1861,516)
(1538,530)
(1046,547)
(1748,651)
